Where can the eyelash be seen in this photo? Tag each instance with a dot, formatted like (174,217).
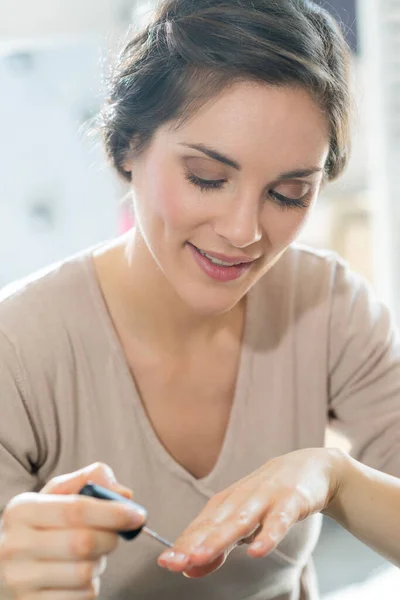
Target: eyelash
(210,185)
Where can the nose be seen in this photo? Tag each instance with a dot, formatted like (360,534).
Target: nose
(239,224)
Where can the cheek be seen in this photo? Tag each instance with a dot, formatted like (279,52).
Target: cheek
(172,205)
(283,226)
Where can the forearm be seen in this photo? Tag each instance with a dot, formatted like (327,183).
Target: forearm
(367,504)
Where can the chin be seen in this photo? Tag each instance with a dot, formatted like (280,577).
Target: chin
(208,301)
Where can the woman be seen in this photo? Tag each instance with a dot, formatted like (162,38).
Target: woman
(202,355)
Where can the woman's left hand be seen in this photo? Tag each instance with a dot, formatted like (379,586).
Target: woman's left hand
(257,510)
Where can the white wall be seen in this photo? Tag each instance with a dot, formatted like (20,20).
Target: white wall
(56,195)
(37,18)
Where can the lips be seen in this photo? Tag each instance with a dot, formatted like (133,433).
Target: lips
(223,259)
(220,267)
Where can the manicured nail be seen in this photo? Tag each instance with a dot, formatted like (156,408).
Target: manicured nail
(173,557)
(256,546)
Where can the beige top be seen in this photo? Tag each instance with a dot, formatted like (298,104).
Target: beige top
(317,346)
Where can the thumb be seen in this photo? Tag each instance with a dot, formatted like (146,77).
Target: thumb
(72,483)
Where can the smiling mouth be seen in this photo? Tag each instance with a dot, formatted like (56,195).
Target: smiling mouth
(224,261)
(216,261)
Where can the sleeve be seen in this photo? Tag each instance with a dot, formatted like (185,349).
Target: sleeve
(364,373)
(19,449)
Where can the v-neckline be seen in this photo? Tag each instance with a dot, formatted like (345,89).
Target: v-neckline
(205,484)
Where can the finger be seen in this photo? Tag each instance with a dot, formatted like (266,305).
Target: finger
(59,512)
(123,491)
(203,571)
(223,503)
(273,530)
(235,519)
(250,538)
(217,511)
(176,560)
(31,576)
(62,545)
(88,594)
(72,483)
(208,511)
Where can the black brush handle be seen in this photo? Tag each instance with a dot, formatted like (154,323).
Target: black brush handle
(97,491)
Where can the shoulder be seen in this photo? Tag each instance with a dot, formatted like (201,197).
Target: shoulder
(324,284)
(38,310)
(310,292)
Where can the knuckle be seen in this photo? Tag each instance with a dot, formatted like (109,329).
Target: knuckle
(244,518)
(216,499)
(14,507)
(102,469)
(74,513)
(7,549)
(8,577)
(283,518)
(83,544)
(196,527)
(302,492)
(206,523)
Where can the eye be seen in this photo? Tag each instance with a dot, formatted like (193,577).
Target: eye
(292,194)
(205,184)
(286,202)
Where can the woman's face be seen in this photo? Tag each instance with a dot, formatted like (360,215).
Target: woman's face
(220,198)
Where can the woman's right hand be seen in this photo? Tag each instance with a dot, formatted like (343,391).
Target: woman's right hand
(53,544)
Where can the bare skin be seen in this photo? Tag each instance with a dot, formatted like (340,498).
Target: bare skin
(74,534)
(189,417)
(53,545)
(178,322)
(175,319)
(283,492)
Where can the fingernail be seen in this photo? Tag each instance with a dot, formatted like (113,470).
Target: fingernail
(137,516)
(256,546)
(166,556)
(173,557)
(123,490)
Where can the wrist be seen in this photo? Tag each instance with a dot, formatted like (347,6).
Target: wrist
(341,466)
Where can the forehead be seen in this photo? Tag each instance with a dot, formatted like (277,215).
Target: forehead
(251,120)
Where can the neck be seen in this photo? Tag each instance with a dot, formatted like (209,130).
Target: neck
(145,305)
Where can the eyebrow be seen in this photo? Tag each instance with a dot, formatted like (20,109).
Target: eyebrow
(215,155)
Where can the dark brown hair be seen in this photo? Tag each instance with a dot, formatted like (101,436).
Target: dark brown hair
(193,49)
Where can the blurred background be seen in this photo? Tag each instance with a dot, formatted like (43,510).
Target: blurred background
(57,194)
